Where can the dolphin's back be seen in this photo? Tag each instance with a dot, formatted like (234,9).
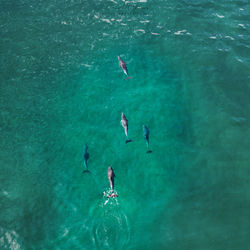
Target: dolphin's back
(85,156)
(145,132)
(123,66)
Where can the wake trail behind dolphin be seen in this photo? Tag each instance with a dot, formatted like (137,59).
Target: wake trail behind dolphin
(108,223)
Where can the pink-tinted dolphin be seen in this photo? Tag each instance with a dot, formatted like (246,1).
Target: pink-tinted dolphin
(111,176)
(124,123)
(124,67)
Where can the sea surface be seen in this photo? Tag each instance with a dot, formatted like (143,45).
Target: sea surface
(61,87)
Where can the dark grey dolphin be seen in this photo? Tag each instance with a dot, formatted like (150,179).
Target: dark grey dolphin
(124,67)
(85,159)
(146,136)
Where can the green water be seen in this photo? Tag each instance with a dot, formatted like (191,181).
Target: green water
(61,87)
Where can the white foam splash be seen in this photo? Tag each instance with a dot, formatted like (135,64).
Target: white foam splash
(110,200)
(66,231)
(138,31)
(241,25)
(155,34)
(180,32)
(212,37)
(106,20)
(239,60)
(87,66)
(5,193)
(144,21)
(220,16)
(135,1)
(231,38)
(11,237)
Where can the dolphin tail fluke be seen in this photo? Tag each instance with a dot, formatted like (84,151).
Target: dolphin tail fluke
(129,77)
(85,171)
(85,163)
(126,131)
(149,151)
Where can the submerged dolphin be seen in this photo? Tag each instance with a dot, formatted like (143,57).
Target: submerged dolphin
(146,136)
(85,159)
(124,67)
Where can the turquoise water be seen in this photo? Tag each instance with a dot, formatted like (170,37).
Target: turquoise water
(61,87)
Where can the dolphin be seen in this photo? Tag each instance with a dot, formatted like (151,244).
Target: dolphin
(146,136)
(111,176)
(124,67)
(85,159)
(124,123)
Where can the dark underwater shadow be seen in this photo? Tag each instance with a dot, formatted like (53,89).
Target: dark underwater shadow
(86,171)
(127,141)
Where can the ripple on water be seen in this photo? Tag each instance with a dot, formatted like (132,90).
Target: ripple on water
(109,224)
